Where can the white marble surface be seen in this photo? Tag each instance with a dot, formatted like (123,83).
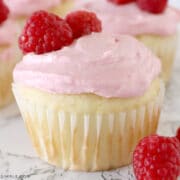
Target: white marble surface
(18,160)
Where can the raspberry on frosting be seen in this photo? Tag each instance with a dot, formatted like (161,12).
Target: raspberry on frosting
(178,134)
(45,32)
(4,11)
(83,23)
(153,6)
(157,157)
(121,1)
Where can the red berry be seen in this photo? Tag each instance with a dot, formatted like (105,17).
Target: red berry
(45,32)
(83,23)
(4,11)
(121,1)
(153,6)
(157,157)
(178,133)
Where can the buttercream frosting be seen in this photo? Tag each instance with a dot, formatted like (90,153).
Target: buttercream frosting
(8,32)
(27,7)
(105,65)
(130,19)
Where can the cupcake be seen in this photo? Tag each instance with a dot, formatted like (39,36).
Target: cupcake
(87,104)
(21,9)
(9,54)
(155,27)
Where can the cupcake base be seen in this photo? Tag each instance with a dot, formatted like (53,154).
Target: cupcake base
(165,48)
(87,132)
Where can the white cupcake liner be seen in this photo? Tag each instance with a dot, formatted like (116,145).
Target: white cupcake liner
(88,141)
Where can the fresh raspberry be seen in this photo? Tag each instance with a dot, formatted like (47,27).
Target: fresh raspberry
(121,1)
(45,32)
(153,6)
(178,134)
(4,11)
(83,23)
(157,157)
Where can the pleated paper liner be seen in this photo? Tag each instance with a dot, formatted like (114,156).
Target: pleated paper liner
(85,141)
(165,48)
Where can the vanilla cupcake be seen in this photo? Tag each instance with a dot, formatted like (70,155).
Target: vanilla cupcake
(156,31)
(87,105)
(9,56)
(21,9)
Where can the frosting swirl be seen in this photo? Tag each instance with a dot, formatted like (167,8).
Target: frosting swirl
(104,65)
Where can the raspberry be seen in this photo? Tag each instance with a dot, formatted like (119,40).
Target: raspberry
(121,1)
(178,134)
(157,157)
(45,32)
(4,11)
(83,23)
(153,6)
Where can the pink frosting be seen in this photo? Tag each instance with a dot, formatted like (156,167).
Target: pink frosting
(9,54)
(27,7)
(105,65)
(129,19)
(9,31)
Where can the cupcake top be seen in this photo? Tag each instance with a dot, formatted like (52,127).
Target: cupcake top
(27,7)
(105,65)
(130,19)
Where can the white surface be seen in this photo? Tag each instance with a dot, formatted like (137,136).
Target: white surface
(17,156)
(18,159)
(10,111)
(175,3)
